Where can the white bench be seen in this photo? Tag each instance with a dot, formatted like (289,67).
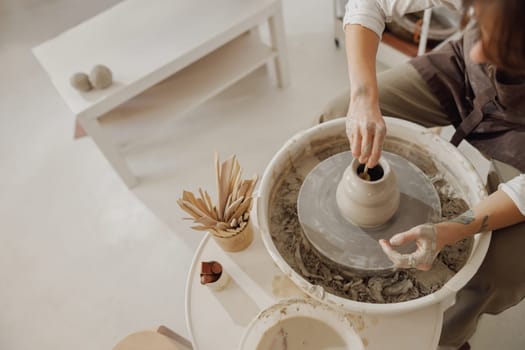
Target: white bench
(195,48)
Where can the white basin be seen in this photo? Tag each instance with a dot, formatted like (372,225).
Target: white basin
(445,156)
(301,324)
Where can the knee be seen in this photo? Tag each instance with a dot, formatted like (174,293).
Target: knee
(461,319)
(336,108)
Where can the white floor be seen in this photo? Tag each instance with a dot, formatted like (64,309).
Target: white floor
(83,260)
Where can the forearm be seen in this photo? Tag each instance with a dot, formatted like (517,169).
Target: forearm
(361,50)
(494,212)
(364,22)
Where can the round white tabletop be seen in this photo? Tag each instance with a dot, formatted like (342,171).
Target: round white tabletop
(218,319)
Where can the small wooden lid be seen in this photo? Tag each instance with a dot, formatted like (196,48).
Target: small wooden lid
(146,340)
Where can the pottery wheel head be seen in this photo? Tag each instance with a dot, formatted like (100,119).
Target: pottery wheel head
(352,247)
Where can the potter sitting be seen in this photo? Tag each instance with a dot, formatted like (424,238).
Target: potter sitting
(476,84)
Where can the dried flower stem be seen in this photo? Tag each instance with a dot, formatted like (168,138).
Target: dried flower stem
(234,201)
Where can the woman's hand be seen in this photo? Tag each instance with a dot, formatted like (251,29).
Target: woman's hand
(365,128)
(495,211)
(428,247)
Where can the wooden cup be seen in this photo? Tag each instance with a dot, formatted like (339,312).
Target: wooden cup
(239,241)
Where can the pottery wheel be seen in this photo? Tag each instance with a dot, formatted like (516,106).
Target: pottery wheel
(347,245)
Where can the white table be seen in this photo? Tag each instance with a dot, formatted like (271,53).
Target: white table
(217,320)
(199,47)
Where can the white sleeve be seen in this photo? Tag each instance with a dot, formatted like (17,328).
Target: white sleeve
(373,14)
(515,189)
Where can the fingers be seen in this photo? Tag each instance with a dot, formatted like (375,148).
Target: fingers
(351,134)
(425,232)
(355,144)
(366,140)
(367,132)
(423,258)
(388,250)
(405,237)
(399,260)
(377,146)
(404,261)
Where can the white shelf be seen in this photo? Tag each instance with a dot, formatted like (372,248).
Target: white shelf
(143,42)
(167,56)
(129,122)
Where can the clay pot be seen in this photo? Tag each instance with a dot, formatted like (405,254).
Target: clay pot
(239,241)
(368,203)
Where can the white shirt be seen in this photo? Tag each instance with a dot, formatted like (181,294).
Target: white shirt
(373,14)
(515,189)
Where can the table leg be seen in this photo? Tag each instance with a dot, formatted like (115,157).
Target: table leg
(93,129)
(277,35)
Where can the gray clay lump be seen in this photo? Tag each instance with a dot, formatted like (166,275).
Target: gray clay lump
(80,81)
(101,77)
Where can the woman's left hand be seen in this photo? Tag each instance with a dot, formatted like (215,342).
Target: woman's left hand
(423,257)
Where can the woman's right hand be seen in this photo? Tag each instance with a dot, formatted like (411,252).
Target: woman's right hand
(366,130)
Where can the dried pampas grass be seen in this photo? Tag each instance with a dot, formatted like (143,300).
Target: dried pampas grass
(234,200)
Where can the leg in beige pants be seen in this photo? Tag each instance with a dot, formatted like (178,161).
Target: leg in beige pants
(402,94)
(500,281)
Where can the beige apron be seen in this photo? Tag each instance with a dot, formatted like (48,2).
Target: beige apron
(487,109)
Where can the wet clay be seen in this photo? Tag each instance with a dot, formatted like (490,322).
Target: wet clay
(397,286)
